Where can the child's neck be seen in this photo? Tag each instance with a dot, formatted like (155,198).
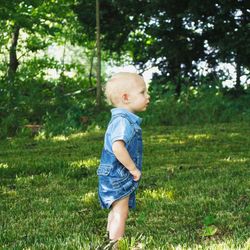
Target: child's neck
(125,107)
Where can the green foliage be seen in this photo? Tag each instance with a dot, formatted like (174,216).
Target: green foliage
(194,193)
(209,229)
(58,105)
(201,104)
(28,97)
(34,100)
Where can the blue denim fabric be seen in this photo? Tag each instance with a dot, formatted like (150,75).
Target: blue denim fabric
(115,181)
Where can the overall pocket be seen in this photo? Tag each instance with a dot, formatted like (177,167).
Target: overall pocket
(104,169)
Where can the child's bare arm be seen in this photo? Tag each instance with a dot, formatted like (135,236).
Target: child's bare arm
(123,156)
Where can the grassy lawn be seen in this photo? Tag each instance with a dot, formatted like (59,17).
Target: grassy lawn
(195,191)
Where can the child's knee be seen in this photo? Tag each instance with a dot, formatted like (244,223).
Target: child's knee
(120,215)
(120,208)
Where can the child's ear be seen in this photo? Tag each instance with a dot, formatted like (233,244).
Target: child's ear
(125,98)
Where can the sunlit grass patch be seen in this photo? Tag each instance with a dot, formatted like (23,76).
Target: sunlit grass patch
(160,194)
(88,163)
(199,136)
(4,165)
(8,191)
(235,159)
(89,198)
(211,245)
(60,138)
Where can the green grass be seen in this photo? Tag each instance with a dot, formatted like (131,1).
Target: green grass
(194,193)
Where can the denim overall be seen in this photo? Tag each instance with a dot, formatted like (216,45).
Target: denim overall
(115,181)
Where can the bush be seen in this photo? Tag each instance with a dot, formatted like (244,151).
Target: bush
(197,105)
(58,105)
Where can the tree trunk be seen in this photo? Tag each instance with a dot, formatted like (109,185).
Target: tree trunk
(98,47)
(175,74)
(13,64)
(91,69)
(178,86)
(238,72)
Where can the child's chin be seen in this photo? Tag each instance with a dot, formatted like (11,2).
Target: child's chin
(143,109)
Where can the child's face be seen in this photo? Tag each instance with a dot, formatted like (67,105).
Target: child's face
(138,98)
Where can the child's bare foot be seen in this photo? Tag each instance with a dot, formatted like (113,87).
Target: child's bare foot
(112,245)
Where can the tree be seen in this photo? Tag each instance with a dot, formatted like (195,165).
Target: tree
(174,36)
(13,61)
(226,29)
(152,32)
(38,19)
(98,47)
(28,27)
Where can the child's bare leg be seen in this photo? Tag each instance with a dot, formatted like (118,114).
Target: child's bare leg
(118,218)
(110,216)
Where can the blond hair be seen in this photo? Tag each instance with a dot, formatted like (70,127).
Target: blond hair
(118,84)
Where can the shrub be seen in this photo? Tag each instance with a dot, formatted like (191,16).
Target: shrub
(197,105)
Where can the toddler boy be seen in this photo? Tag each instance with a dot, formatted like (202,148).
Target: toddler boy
(121,162)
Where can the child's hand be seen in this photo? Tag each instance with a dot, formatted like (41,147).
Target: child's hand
(136,174)
(121,153)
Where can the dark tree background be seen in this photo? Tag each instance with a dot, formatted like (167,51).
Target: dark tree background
(175,37)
